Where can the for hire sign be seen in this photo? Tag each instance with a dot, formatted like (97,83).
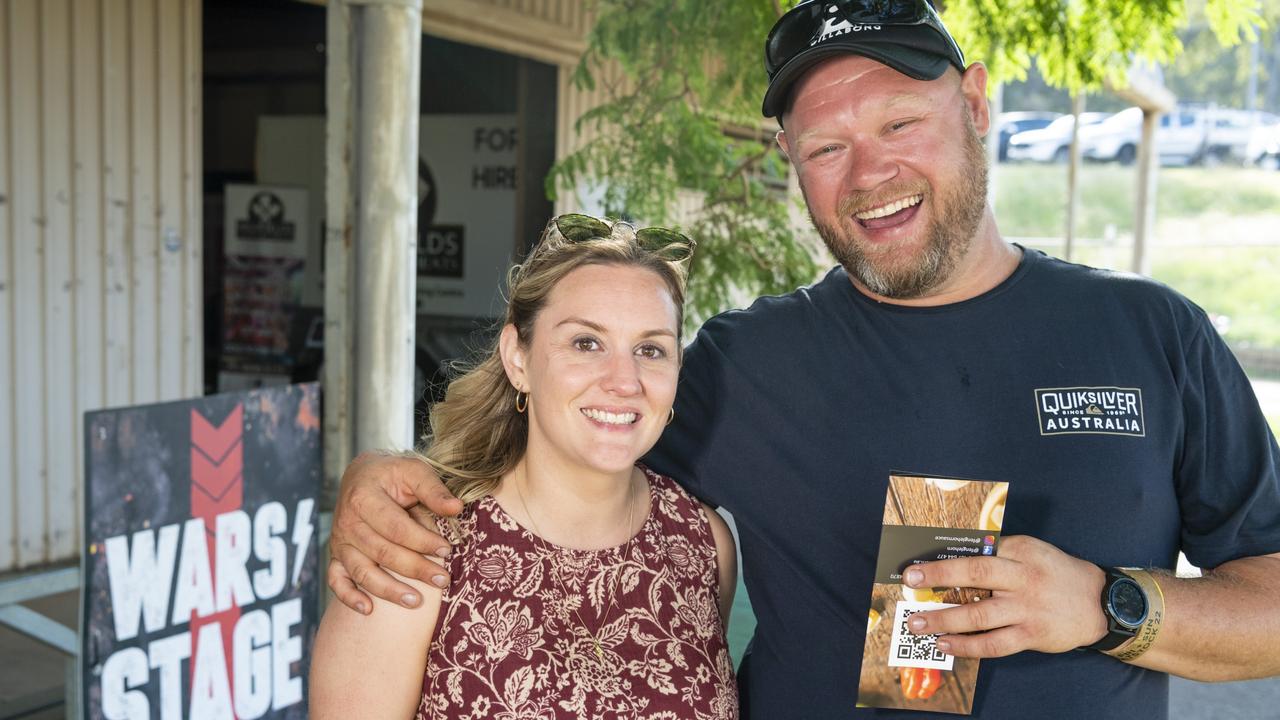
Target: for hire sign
(200,570)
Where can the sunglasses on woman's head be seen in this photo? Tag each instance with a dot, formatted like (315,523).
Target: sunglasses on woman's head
(663,242)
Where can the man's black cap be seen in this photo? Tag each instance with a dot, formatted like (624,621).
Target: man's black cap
(921,51)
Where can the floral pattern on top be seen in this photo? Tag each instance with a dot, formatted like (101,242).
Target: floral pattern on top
(510,642)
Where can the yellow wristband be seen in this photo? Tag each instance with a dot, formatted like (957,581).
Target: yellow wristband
(1146,635)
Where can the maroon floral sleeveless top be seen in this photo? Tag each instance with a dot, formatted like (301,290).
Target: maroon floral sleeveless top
(510,646)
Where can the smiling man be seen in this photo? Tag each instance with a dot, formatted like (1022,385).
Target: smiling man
(1125,428)
(894,177)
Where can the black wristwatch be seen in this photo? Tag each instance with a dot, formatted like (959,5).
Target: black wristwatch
(1124,602)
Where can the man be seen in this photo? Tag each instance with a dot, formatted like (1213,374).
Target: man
(1124,426)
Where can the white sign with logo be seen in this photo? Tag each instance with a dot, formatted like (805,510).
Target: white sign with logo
(265,256)
(267,222)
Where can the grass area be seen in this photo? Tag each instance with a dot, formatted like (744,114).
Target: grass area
(1031,198)
(1238,282)
(1211,235)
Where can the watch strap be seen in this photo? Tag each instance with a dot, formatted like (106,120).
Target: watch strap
(1116,634)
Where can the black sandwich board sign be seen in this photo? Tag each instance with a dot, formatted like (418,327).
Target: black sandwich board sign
(200,563)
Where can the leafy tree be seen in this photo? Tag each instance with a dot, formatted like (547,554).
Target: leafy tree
(684,80)
(1208,72)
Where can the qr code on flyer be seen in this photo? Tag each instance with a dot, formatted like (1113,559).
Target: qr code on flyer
(920,651)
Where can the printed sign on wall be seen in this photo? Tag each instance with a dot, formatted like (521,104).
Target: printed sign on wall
(466,212)
(467,177)
(200,576)
(266,263)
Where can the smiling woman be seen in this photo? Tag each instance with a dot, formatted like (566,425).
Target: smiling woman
(582,583)
(600,376)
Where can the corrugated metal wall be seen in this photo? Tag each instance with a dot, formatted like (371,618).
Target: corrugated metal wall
(551,31)
(572,103)
(100,259)
(570,14)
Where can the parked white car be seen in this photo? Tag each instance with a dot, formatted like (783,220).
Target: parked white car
(1051,143)
(1012,123)
(1232,134)
(1191,134)
(1179,137)
(1263,149)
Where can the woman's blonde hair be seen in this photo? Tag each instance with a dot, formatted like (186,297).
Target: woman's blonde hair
(476,435)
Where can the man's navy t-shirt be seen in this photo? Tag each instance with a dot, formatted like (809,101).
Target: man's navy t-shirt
(792,414)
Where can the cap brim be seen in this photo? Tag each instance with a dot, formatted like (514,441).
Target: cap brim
(885,47)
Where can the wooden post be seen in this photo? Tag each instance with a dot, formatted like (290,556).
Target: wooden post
(389,55)
(339,250)
(374,54)
(1073,176)
(1145,204)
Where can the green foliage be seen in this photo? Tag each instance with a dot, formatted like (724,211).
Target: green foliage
(1077,45)
(684,80)
(1205,71)
(1080,44)
(1236,20)
(691,70)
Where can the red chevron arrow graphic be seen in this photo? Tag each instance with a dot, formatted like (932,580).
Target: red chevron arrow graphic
(216,441)
(217,486)
(216,479)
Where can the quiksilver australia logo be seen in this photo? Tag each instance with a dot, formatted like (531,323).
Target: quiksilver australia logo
(1094,410)
(835,26)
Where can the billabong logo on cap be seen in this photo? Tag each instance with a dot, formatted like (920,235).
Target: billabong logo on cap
(836,26)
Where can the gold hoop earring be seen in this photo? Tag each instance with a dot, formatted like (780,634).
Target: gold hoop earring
(521,407)
(672,415)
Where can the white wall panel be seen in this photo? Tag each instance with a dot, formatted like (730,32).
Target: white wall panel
(8,384)
(100,299)
(169,125)
(90,356)
(117,295)
(28,281)
(192,321)
(59,498)
(142,171)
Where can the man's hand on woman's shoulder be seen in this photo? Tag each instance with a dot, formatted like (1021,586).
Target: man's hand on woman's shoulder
(384,518)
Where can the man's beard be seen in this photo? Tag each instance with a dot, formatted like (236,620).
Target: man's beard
(959,210)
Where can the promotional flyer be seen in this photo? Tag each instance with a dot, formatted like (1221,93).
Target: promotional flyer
(925,519)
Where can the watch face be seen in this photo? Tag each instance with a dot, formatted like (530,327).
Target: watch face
(1128,603)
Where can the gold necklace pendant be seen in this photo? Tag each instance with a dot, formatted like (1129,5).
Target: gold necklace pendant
(599,652)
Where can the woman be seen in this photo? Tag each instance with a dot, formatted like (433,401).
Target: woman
(584,586)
